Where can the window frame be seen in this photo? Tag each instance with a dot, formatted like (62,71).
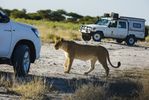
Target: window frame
(137,25)
(120,25)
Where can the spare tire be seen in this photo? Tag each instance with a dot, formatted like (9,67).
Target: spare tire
(146,31)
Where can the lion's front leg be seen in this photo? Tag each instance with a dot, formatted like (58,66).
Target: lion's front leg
(65,65)
(68,65)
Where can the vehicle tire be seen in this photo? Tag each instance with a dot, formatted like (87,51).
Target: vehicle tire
(97,37)
(21,60)
(86,37)
(130,40)
(119,41)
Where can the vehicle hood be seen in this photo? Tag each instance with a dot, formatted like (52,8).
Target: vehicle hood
(23,25)
(95,25)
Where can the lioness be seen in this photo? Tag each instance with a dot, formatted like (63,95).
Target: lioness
(74,50)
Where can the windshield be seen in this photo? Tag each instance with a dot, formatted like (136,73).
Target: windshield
(2,13)
(102,22)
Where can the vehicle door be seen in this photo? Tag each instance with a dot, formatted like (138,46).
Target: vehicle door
(5,35)
(122,29)
(112,28)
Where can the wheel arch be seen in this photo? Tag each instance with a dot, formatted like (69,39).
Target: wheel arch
(131,35)
(31,46)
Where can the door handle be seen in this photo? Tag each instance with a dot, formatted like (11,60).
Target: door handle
(112,32)
(8,30)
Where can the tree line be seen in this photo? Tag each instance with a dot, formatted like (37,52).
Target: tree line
(50,15)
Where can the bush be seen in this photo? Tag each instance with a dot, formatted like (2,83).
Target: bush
(88,92)
(31,90)
(147,39)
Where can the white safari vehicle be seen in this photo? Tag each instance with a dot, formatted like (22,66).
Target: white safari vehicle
(121,28)
(19,45)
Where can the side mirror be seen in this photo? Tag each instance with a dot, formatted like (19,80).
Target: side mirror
(4,19)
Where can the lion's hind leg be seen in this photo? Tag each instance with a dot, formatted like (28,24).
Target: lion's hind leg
(93,61)
(103,61)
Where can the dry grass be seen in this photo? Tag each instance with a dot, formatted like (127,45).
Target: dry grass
(130,85)
(49,31)
(124,85)
(33,90)
(89,92)
(147,39)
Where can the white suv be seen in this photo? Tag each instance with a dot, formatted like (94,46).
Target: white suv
(19,45)
(128,29)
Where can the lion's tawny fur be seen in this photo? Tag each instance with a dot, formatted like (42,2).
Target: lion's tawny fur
(74,50)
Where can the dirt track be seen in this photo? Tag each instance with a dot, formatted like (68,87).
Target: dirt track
(51,60)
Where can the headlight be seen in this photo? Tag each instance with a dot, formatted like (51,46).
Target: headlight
(36,32)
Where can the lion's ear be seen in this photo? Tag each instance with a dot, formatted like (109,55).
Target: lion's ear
(62,39)
(57,40)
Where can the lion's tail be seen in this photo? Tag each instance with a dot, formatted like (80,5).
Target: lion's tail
(118,64)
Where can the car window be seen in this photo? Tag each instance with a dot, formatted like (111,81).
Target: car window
(122,24)
(102,22)
(136,25)
(113,23)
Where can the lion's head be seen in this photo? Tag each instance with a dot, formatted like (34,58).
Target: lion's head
(59,43)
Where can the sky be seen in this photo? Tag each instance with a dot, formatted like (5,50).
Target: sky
(129,8)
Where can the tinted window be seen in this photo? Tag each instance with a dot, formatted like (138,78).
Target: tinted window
(136,25)
(122,24)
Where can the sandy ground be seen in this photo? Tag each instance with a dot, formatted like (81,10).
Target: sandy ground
(51,60)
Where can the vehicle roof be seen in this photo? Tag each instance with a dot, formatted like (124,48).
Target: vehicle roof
(126,18)
(108,18)
(132,18)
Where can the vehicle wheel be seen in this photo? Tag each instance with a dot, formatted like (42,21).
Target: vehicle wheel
(86,37)
(130,40)
(97,37)
(119,41)
(21,60)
